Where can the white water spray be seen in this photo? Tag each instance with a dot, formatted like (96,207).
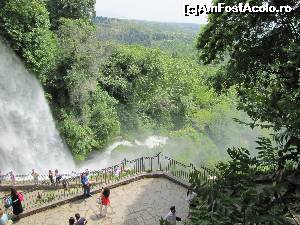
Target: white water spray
(109,157)
(28,137)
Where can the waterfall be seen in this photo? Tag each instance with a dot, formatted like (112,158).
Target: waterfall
(28,137)
(110,156)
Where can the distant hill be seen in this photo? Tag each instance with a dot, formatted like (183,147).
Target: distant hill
(175,38)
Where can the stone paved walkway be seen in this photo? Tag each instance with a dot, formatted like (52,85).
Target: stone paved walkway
(142,202)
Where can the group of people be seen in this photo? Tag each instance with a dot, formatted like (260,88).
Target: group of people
(54,177)
(77,220)
(57,175)
(15,199)
(11,175)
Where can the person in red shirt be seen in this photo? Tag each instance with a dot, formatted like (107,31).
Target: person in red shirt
(104,201)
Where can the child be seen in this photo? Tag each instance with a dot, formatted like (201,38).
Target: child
(71,221)
(104,201)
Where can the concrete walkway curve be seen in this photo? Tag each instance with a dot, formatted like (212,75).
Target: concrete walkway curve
(142,202)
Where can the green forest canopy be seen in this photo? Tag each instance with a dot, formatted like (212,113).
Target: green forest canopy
(101,89)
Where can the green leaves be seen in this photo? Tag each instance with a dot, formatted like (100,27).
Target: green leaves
(70,9)
(263,65)
(235,197)
(79,137)
(25,24)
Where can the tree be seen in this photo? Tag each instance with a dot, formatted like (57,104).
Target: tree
(234,196)
(70,9)
(263,65)
(260,58)
(25,25)
(86,114)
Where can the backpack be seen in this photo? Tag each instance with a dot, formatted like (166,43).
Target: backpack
(7,202)
(20,197)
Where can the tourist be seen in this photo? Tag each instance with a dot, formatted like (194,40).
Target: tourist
(117,171)
(57,177)
(104,201)
(1,177)
(50,175)
(71,221)
(80,220)
(12,178)
(65,184)
(171,216)
(35,176)
(189,198)
(16,198)
(85,185)
(4,218)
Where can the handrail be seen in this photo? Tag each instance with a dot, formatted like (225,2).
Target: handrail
(163,163)
(38,196)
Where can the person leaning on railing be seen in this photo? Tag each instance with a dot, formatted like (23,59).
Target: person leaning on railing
(50,175)
(58,177)
(85,185)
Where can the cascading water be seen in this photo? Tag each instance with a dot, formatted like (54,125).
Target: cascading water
(111,156)
(28,137)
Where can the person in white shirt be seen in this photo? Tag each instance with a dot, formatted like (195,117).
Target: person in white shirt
(190,196)
(171,216)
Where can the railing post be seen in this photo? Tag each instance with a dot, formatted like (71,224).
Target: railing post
(159,166)
(151,164)
(134,168)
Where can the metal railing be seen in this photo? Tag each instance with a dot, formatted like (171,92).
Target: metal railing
(38,196)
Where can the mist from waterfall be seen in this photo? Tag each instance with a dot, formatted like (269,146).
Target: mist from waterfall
(28,137)
(112,154)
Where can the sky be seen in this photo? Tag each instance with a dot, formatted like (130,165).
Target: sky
(151,10)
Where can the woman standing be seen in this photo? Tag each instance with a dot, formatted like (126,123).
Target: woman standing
(16,202)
